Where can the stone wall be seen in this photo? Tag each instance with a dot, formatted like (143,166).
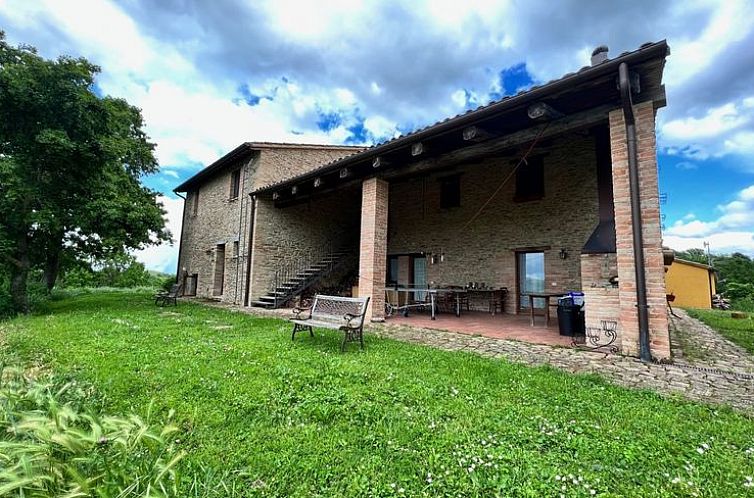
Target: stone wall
(280,162)
(650,213)
(221,220)
(294,233)
(484,249)
(218,220)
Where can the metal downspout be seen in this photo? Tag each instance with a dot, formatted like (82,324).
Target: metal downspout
(180,239)
(636,224)
(252,214)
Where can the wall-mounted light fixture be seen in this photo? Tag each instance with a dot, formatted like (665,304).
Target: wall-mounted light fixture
(563,253)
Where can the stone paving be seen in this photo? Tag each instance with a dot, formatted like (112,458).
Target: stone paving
(725,375)
(706,348)
(691,381)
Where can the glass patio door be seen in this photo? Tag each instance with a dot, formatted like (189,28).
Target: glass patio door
(531,278)
(420,277)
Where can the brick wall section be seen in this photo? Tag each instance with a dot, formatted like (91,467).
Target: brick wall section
(484,250)
(603,300)
(222,220)
(647,163)
(373,246)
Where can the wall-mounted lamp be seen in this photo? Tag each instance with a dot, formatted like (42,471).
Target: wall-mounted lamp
(563,253)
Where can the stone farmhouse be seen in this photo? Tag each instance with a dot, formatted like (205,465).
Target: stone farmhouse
(555,187)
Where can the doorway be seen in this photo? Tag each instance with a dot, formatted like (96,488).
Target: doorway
(219,279)
(530,267)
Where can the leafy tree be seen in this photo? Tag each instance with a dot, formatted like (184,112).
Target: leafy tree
(695,255)
(70,169)
(737,268)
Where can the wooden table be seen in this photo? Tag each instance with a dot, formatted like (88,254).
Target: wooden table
(542,295)
(489,294)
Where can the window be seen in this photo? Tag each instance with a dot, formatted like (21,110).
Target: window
(530,180)
(235,249)
(450,192)
(194,202)
(235,183)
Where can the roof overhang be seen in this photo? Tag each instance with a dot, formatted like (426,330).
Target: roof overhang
(244,152)
(240,153)
(581,99)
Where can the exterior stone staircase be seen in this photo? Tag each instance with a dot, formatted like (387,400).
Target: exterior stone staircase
(293,279)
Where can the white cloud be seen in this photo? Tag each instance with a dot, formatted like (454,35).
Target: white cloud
(382,65)
(722,130)
(720,243)
(733,230)
(381,127)
(171,173)
(164,257)
(687,165)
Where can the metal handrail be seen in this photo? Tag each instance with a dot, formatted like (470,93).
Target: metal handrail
(290,269)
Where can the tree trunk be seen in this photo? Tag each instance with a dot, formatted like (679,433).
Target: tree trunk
(19,276)
(52,268)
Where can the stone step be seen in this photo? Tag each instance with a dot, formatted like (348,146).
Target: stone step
(261,304)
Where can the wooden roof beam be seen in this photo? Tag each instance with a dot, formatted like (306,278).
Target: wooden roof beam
(380,162)
(475,134)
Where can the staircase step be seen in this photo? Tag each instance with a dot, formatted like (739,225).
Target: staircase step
(261,304)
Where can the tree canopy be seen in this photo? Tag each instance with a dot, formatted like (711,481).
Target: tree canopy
(71,164)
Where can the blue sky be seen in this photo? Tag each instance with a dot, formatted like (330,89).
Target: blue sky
(210,75)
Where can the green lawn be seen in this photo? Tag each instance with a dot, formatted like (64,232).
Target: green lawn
(738,330)
(302,419)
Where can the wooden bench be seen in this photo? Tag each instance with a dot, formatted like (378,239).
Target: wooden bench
(163,298)
(333,312)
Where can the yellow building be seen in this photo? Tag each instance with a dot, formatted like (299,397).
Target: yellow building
(692,284)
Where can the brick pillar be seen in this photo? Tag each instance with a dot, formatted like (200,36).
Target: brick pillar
(650,212)
(373,247)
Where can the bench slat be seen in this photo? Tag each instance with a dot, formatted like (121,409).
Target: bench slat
(330,312)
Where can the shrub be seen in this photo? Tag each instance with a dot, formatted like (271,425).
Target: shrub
(737,290)
(167,283)
(744,304)
(49,448)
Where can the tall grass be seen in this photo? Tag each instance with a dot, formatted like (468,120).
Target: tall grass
(49,448)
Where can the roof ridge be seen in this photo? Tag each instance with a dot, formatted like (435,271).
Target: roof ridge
(491,106)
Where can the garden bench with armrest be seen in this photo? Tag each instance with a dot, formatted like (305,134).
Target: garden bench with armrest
(333,312)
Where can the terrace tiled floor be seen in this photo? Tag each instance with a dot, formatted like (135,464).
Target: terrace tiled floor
(479,323)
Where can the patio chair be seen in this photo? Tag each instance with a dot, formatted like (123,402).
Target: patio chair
(163,298)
